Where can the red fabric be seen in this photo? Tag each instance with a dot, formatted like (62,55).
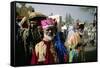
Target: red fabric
(34,58)
(49,56)
(65,58)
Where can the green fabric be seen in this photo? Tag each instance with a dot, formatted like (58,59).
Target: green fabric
(73,54)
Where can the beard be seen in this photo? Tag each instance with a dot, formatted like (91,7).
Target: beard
(48,37)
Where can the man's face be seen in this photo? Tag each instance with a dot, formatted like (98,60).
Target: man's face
(49,32)
(33,24)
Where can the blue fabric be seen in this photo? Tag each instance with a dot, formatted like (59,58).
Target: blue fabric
(60,48)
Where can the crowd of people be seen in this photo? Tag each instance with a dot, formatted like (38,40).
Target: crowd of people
(42,43)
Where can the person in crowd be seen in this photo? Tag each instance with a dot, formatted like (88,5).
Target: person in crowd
(44,52)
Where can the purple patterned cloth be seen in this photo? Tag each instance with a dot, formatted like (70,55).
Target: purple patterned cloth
(48,22)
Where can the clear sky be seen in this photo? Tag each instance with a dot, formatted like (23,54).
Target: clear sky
(61,10)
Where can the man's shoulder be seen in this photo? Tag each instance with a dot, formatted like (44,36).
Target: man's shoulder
(40,43)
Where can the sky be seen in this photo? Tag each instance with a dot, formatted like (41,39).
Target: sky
(61,10)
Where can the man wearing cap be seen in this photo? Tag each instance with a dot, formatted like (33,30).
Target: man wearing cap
(44,52)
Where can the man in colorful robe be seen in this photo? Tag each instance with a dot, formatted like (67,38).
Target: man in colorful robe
(44,52)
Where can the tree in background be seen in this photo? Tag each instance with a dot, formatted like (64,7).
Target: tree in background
(91,10)
(23,10)
(69,19)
